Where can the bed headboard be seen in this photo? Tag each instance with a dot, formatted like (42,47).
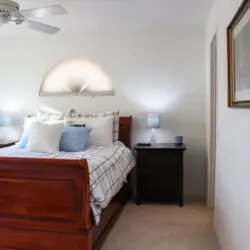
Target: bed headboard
(125,130)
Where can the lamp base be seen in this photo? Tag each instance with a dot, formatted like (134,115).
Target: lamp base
(153,138)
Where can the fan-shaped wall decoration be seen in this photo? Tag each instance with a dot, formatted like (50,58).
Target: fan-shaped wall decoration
(77,76)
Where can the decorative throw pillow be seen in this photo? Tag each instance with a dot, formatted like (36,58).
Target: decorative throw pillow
(101,130)
(44,138)
(74,138)
(116,121)
(45,115)
(26,128)
(23,143)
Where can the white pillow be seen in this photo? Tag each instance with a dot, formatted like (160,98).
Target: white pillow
(44,138)
(26,127)
(44,115)
(102,130)
(27,124)
(28,121)
(116,121)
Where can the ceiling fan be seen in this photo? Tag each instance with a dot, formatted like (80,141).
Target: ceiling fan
(9,12)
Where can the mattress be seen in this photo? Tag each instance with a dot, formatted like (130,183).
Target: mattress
(108,168)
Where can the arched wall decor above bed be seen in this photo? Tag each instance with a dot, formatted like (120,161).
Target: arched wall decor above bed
(77,77)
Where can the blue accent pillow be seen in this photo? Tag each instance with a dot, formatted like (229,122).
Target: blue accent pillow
(23,142)
(74,139)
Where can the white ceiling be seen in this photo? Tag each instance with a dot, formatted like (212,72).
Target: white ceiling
(100,14)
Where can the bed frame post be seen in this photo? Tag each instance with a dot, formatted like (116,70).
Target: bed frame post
(125,130)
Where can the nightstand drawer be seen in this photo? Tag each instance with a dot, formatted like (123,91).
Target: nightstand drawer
(162,161)
(166,170)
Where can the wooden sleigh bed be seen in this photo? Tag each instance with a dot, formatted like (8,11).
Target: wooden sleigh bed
(45,204)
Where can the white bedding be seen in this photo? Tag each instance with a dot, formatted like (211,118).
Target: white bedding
(108,167)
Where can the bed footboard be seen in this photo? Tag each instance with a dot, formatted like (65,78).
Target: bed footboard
(44,204)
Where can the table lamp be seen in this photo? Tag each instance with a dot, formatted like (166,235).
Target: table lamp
(5,121)
(153,122)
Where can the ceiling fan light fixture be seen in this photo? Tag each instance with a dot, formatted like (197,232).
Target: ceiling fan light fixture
(4,19)
(9,12)
(8,7)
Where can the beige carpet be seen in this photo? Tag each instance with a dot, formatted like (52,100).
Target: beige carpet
(162,227)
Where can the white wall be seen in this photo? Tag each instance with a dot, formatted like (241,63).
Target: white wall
(232,201)
(153,70)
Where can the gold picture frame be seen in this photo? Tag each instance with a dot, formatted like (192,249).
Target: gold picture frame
(238,39)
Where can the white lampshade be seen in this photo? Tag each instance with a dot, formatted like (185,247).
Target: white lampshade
(153,121)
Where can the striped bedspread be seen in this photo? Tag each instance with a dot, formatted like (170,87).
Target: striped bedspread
(108,167)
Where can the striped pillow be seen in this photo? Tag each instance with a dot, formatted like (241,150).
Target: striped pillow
(116,121)
(44,115)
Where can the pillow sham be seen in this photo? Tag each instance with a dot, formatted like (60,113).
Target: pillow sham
(23,143)
(101,130)
(116,121)
(45,115)
(44,138)
(26,129)
(73,138)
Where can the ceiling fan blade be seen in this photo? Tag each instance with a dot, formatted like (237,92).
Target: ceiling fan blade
(44,28)
(43,12)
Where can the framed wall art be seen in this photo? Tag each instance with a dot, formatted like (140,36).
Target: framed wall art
(238,34)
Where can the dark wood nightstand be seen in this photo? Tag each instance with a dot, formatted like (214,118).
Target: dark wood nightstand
(7,144)
(159,173)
